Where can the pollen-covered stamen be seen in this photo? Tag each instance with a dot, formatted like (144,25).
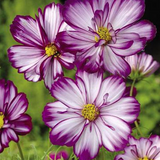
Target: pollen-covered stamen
(145,158)
(1,119)
(90,112)
(103,34)
(51,50)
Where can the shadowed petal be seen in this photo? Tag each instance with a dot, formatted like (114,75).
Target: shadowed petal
(8,135)
(115,64)
(52,70)
(22,125)
(17,107)
(2,95)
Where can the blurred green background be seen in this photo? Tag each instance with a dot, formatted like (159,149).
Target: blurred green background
(36,143)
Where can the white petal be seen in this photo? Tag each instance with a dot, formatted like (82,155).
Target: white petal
(66,91)
(89,142)
(114,87)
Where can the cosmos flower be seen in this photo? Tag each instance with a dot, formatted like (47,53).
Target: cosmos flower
(39,56)
(142,65)
(141,149)
(90,113)
(13,120)
(60,155)
(105,32)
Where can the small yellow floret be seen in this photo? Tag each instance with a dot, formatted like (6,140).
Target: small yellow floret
(103,34)
(1,120)
(51,50)
(90,112)
(144,158)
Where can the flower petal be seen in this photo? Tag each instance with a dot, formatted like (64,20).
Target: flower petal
(11,92)
(143,28)
(115,64)
(52,20)
(66,91)
(126,108)
(22,125)
(67,131)
(8,135)
(52,70)
(2,94)
(88,144)
(125,12)
(78,14)
(114,132)
(27,59)
(92,83)
(67,60)
(17,107)
(26,31)
(114,86)
(53,113)
(134,47)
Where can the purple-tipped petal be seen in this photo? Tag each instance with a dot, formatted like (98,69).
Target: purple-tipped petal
(66,91)
(87,146)
(126,108)
(89,81)
(67,131)
(8,135)
(26,31)
(115,64)
(125,12)
(22,125)
(18,106)
(114,86)
(52,70)
(78,14)
(52,20)
(144,28)
(114,132)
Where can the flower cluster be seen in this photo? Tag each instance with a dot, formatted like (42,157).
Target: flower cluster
(13,120)
(142,149)
(91,111)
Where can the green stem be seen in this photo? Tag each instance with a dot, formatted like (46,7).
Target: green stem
(20,151)
(132,86)
(138,129)
(135,122)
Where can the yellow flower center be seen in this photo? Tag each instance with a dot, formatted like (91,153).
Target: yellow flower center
(1,119)
(51,50)
(144,158)
(103,34)
(90,112)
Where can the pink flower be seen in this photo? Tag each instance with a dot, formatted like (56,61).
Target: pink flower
(59,155)
(141,149)
(13,120)
(142,65)
(40,56)
(105,32)
(90,113)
